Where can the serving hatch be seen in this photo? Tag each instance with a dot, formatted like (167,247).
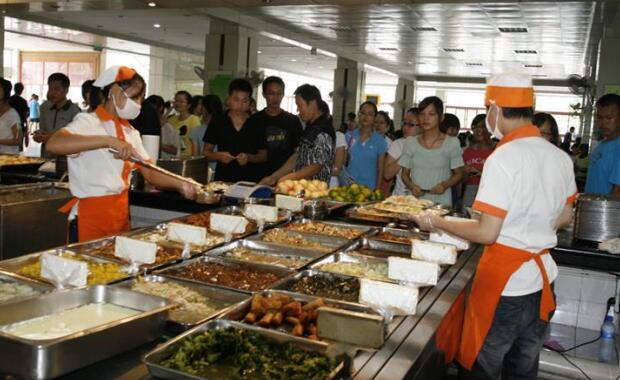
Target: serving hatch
(49,358)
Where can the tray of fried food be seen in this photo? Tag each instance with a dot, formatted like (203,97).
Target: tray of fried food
(203,219)
(288,312)
(335,229)
(288,238)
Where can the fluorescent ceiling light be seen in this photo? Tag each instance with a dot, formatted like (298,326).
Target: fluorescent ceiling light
(380,70)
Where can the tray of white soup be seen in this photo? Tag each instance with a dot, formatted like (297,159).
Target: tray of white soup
(56,333)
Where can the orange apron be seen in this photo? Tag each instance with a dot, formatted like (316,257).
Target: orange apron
(108,214)
(497,264)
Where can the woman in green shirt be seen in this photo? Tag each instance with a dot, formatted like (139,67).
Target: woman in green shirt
(432,162)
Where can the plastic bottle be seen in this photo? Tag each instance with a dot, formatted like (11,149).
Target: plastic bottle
(606,350)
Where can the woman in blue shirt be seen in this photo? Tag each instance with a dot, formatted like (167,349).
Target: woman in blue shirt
(367,150)
(34,112)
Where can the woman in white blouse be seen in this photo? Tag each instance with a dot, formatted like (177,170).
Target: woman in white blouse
(9,121)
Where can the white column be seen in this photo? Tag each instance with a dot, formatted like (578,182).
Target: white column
(162,73)
(403,100)
(2,46)
(349,79)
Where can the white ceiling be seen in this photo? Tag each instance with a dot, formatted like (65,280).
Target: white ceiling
(408,39)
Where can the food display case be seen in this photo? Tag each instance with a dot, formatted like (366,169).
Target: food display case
(285,258)
(29,218)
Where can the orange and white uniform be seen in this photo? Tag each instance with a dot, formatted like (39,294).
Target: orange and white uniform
(98,181)
(526,182)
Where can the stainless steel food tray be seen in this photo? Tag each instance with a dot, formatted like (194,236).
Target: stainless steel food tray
(287,285)
(309,255)
(158,235)
(362,230)
(43,359)
(238,312)
(13,266)
(153,358)
(219,295)
(349,258)
(330,243)
(282,273)
(283,215)
(11,278)
(379,248)
(412,233)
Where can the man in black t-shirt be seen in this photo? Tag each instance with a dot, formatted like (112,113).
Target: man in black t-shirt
(240,147)
(282,130)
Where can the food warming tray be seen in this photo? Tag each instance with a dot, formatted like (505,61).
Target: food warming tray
(350,258)
(228,297)
(287,284)
(328,243)
(361,229)
(309,255)
(153,358)
(379,248)
(43,359)
(10,278)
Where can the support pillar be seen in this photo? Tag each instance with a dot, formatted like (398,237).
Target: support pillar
(403,100)
(349,79)
(231,51)
(2,46)
(162,73)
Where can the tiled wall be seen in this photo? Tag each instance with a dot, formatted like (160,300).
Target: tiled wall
(145,217)
(582,297)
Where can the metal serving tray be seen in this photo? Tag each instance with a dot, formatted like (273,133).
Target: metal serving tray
(379,248)
(271,249)
(287,285)
(158,235)
(153,358)
(251,228)
(10,278)
(14,265)
(330,243)
(43,359)
(238,312)
(349,258)
(362,230)
(219,295)
(280,272)
(400,232)
(283,215)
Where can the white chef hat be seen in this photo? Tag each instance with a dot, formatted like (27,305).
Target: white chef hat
(114,74)
(510,91)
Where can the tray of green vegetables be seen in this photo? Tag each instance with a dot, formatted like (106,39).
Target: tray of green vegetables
(229,350)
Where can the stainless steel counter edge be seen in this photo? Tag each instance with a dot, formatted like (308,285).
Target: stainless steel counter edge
(413,339)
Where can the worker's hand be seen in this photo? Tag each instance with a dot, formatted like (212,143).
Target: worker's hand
(427,221)
(416,190)
(242,159)
(41,136)
(438,189)
(225,157)
(269,181)
(189,190)
(124,150)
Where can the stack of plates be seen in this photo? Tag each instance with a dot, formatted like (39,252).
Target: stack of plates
(597,217)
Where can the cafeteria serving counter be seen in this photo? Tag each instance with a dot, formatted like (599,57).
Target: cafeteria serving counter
(417,346)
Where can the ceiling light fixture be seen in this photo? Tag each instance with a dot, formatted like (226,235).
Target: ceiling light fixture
(454,50)
(534,65)
(423,29)
(152,4)
(293,60)
(156,26)
(510,29)
(473,64)
(388,49)
(260,52)
(525,51)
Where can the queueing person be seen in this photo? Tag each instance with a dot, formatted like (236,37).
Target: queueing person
(211,106)
(10,122)
(525,195)
(474,157)
(184,122)
(315,156)
(548,127)
(99,179)
(34,113)
(432,162)
(367,149)
(392,170)
(241,149)
(282,129)
(20,105)
(604,164)
(56,112)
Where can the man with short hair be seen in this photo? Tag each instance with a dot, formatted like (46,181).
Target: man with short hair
(526,193)
(282,130)
(21,106)
(240,149)
(57,111)
(604,166)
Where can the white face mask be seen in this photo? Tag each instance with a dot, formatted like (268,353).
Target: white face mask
(494,132)
(130,111)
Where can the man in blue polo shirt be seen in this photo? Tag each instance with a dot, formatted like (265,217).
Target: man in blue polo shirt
(604,167)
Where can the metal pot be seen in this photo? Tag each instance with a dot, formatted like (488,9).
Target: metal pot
(597,217)
(193,167)
(315,210)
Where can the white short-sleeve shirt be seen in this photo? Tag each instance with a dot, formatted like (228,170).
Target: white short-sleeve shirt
(7,121)
(527,182)
(395,151)
(96,172)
